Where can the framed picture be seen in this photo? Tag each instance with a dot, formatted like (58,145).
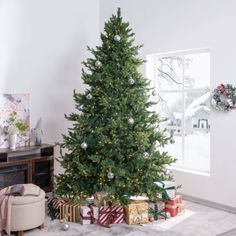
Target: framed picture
(15,113)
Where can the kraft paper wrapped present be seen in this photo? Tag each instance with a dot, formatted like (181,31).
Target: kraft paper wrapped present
(100,199)
(111,214)
(175,206)
(70,212)
(167,189)
(157,210)
(89,214)
(137,213)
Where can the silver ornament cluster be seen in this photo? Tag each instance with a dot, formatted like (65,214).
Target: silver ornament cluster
(84,145)
(110,175)
(130,121)
(117,38)
(131,81)
(89,96)
(145,155)
(98,63)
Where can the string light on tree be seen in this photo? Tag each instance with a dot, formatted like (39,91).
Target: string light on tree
(84,145)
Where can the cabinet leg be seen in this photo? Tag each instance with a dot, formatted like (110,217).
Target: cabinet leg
(41,226)
(20,233)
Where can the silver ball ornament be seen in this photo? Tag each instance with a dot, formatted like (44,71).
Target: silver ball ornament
(98,63)
(154,93)
(138,51)
(65,226)
(146,155)
(84,145)
(168,216)
(89,96)
(131,121)
(131,81)
(110,175)
(117,38)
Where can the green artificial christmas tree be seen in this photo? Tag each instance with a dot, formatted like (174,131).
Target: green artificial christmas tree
(113,144)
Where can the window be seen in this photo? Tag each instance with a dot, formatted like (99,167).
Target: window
(182,82)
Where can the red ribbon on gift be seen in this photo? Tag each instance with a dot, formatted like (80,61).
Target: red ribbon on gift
(90,214)
(110,214)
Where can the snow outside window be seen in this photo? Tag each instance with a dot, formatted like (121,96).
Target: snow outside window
(182,82)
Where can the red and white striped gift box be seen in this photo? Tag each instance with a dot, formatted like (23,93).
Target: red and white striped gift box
(112,214)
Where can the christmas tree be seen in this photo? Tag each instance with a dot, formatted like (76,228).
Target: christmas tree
(114,144)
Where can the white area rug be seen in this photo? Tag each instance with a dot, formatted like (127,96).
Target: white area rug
(164,225)
(53,228)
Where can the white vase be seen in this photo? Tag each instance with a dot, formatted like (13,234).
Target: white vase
(12,141)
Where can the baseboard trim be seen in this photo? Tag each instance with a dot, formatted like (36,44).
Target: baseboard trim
(209,203)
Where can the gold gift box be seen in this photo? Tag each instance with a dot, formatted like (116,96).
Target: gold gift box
(137,213)
(70,212)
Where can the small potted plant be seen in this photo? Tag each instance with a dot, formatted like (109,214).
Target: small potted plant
(15,127)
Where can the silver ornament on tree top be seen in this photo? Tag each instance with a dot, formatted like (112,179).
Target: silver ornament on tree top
(131,81)
(98,63)
(117,38)
(131,121)
(89,96)
(110,175)
(84,145)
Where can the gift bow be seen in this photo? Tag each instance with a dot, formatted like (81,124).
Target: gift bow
(156,212)
(165,195)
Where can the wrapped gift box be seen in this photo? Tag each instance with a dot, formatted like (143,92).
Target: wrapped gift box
(137,213)
(111,214)
(70,212)
(54,207)
(88,214)
(157,210)
(175,206)
(168,188)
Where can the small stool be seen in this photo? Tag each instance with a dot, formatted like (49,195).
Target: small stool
(27,212)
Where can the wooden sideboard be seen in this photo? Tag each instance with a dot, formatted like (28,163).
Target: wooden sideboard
(27,165)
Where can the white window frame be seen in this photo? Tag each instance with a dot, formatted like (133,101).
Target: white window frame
(183,90)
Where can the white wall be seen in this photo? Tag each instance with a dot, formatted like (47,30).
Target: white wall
(42,45)
(168,25)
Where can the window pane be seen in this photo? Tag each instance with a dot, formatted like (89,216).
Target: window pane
(197,70)
(170,106)
(169,73)
(197,130)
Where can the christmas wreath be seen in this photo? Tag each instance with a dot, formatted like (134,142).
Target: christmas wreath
(224,97)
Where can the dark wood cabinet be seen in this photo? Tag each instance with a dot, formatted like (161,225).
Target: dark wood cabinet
(27,165)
